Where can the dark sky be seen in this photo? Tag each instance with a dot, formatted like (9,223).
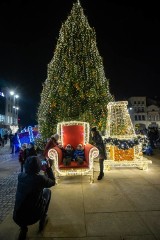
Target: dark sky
(127,39)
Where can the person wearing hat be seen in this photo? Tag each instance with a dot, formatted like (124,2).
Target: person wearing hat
(98,142)
(78,155)
(68,155)
(53,142)
(32,196)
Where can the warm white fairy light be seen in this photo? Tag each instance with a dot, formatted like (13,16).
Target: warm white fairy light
(76,87)
(92,151)
(120,130)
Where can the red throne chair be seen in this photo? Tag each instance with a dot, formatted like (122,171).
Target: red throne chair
(73,133)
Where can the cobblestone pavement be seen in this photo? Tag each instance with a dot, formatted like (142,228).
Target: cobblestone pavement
(7,194)
(9,169)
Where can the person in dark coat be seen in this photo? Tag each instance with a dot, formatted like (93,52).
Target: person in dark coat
(1,141)
(32,196)
(5,136)
(15,144)
(21,155)
(11,139)
(29,151)
(68,155)
(98,142)
(53,142)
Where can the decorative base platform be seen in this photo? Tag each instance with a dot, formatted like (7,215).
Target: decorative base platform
(139,163)
(74,172)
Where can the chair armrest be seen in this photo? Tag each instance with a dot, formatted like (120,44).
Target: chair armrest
(90,152)
(55,153)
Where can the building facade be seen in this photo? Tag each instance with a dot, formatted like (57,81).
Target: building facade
(2,109)
(145,113)
(9,107)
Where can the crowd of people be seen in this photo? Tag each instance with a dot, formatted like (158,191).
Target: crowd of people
(4,139)
(13,139)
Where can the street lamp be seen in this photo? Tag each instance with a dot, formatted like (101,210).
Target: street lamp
(14,105)
(11,93)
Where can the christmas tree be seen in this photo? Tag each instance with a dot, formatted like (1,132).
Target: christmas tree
(76,87)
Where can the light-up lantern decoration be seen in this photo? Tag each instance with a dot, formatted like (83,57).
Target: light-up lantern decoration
(119,126)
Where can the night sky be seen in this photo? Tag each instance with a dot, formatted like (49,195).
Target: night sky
(127,39)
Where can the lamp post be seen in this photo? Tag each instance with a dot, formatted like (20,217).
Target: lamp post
(14,108)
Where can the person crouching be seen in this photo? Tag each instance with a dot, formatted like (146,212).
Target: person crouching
(32,196)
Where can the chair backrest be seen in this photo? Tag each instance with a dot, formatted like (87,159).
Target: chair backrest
(73,133)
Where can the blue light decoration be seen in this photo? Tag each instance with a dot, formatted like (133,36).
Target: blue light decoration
(2,94)
(27,135)
(30,134)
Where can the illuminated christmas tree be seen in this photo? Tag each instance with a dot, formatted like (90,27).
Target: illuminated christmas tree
(76,87)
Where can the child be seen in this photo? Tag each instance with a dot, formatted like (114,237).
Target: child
(21,155)
(79,154)
(68,155)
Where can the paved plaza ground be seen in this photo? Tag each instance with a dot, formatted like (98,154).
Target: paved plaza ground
(125,205)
